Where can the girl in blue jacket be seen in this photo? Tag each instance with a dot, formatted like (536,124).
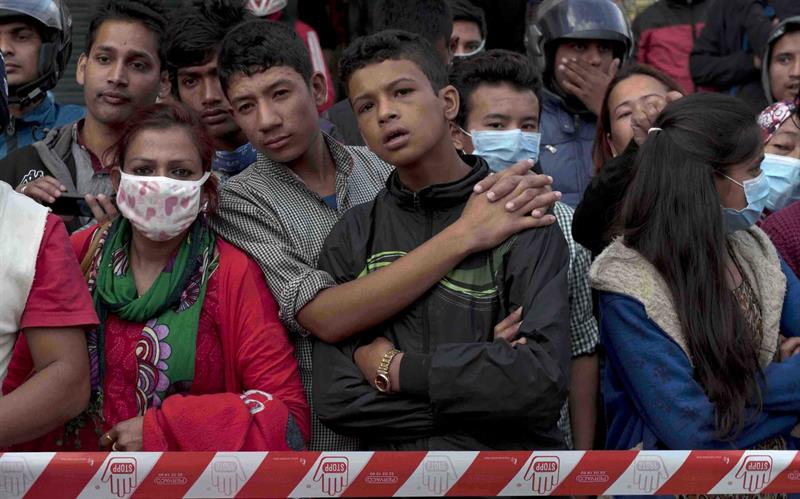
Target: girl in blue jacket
(699,315)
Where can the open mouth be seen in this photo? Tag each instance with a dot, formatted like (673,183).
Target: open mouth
(396,139)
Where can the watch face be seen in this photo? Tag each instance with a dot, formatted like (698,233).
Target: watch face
(382,383)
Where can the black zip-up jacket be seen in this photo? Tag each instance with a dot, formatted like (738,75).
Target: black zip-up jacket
(460,389)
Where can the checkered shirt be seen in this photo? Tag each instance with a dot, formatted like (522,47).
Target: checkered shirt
(583,326)
(269,212)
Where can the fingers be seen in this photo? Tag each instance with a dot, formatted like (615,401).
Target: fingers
(103,209)
(499,185)
(509,333)
(109,437)
(518,190)
(536,202)
(672,96)
(43,189)
(519,342)
(509,321)
(574,73)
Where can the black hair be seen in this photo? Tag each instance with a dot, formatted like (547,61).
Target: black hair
(671,215)
(431,19)
(601,151)
(393,45)
(196,32)
(491,67)
(257,45)
(151,13)
(464,10)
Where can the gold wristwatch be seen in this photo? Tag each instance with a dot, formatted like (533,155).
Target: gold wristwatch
(382,382)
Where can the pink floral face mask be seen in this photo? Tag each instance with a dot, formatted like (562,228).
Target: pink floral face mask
(159,207)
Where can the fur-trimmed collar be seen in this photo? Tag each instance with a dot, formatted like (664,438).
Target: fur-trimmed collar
(620,269)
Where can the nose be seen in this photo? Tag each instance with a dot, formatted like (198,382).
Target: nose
(593,55)
(212,92)
(6,47)
(386,111)
(268,118)
(117,74)
(794,70)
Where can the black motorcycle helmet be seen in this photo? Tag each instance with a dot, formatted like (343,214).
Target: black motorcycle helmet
(56,23)
(582,20)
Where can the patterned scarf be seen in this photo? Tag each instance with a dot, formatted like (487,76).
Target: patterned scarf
(775,115)
(170,311)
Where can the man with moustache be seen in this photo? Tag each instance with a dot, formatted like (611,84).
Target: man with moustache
(122,69)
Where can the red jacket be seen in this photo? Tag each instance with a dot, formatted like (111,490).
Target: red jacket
(241,347)
(665,33)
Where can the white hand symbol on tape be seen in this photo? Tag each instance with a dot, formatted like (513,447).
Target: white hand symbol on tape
(332,472)
(16,475)
(755,472)
(648,473)
(437,472)
(543,474)
(120,474)
(227,475)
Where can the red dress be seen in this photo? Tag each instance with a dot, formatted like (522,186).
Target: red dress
(241,347)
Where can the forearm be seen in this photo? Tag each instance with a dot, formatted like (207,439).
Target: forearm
(338,313)
(583,400)
(52,396)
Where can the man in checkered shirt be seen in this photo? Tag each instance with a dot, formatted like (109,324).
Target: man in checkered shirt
(282,208)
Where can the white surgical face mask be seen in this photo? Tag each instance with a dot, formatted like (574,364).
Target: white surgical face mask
(783,175)
(159,207)
(503,148)
(756,191)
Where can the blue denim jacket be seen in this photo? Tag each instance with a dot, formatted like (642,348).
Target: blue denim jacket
(566,151)
(34,126)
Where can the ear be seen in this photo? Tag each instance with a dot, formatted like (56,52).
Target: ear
(451,101)
(319,88)
(80,72)
(115,177)
(455,136)
(164,86)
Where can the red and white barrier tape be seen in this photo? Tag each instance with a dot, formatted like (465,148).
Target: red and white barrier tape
(387,474)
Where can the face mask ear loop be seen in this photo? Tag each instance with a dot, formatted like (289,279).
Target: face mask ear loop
(465,132)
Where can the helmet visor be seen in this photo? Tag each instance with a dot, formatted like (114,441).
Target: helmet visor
(44,11)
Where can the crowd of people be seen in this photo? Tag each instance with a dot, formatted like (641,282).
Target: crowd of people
(591,245)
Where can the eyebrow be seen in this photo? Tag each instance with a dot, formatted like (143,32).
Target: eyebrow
(270,87)
(499,116)
(402,79)
(133,53)
(629,101)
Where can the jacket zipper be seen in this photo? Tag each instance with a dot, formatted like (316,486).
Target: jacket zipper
(426,334)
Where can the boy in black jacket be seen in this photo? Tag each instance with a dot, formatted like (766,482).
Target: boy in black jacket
(435,376)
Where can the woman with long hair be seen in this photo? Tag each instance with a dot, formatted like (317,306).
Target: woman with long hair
(633,88)
(693,296)
(189,353)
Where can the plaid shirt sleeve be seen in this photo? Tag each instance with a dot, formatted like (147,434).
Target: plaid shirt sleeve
(583,325)
(291,277)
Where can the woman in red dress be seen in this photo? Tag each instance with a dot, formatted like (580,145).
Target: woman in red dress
(189,353)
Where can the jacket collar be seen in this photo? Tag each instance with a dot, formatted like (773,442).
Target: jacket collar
(439,196)
(42,111)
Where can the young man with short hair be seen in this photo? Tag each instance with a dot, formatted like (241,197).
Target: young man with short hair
(192,51)
(36,42)
(282,208)
(431,19)
(435,376)
(122,70)
(469,29)
(498,92)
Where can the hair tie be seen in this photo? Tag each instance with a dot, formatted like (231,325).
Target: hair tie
(654,129)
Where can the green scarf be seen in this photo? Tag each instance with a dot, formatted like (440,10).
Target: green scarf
(170,309)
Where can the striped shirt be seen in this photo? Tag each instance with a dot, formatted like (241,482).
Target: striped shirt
(269,212)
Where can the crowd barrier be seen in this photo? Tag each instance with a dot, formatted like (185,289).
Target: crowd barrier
(387,474)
